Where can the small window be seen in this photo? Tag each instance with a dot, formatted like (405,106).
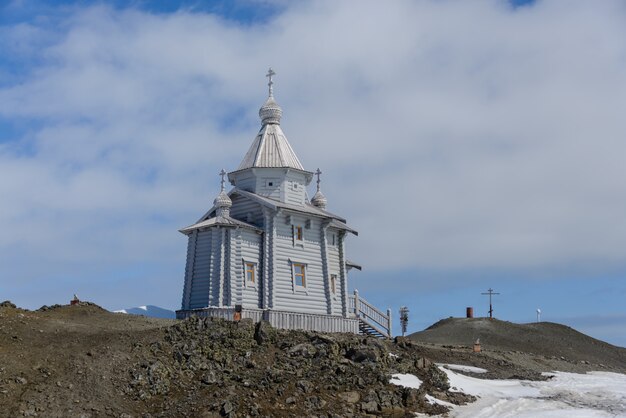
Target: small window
(333,239)
(333,284)
(270,183)
(295,186)
(299,276)
(250,272)
(297,233)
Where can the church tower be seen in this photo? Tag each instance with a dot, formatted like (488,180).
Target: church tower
(271,168)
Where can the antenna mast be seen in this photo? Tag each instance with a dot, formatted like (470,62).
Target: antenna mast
(490,292)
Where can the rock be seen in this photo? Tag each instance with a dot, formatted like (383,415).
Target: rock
(304,385)
(209,378)
(227,408)
(20,380)
(305,350)
(290,400)
(423,363)
(438,378)
(262,332)
(350,397)
(359,355)
(7,304)
(370,407)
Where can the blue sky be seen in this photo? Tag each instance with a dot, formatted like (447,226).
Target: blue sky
(472,144)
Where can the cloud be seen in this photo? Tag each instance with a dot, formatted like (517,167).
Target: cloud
(453,135)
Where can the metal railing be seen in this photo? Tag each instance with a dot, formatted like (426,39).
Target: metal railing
(370,315)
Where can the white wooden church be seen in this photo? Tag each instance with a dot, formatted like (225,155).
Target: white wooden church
(265,251)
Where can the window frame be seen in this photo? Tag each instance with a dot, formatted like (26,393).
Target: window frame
(246,270)
(294,277)
(297,231)
(333,284)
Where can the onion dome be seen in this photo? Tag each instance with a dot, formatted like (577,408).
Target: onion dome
(319,200)
(270,112)
(222,202)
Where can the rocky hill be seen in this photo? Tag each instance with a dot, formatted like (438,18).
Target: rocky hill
(540,347)
(82,361)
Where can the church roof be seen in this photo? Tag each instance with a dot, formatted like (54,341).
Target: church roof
(270,149)
(218,221)
(337,221)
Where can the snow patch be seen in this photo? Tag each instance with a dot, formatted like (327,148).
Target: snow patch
(432,400)
(406,380)
(149,310)
(462,368)
(592,395)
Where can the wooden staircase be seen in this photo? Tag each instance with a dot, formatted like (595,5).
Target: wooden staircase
(372,321)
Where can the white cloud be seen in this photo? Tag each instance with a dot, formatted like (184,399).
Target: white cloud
(452,134)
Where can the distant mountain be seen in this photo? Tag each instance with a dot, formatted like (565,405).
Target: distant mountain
(149,310)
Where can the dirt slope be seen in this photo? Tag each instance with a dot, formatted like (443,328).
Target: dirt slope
(82,361)
(551,343)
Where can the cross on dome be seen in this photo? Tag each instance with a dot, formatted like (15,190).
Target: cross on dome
(318,173)
(222,202)
(222,174)
(319,200)
(270,83)
(270,112)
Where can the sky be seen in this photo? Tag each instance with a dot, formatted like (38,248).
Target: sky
(473,145)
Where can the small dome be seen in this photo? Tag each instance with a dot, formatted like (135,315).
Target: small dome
(319,200)
(270,112)
(222,200)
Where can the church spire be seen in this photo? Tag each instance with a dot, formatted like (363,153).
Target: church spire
(270,112)
(319,200)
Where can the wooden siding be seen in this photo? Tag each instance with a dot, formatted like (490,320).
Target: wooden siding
(294,188)
(201,269)
(334,267)
(247,211)
(312,298)
(191,255)
(343,273)
(249,251)
(215,267)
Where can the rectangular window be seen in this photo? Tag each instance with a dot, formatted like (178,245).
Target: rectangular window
(299,276)
(250,269)
(297,233)
(333,283)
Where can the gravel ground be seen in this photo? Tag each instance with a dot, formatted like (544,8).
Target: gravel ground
(82,361)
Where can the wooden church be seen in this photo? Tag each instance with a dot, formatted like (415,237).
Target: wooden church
(265,251)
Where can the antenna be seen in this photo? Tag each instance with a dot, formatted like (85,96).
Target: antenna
(538,315)
(490,292)
(404,318)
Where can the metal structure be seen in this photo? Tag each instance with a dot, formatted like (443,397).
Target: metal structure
(490,292)
(538,315)
(404,319)
(265,251)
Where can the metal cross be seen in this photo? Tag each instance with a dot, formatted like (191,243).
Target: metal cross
(269,75)
(318,173)
(222,174)
(490,292)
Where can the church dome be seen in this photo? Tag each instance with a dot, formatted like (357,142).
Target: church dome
(222,200)
(270,112)
(319,200)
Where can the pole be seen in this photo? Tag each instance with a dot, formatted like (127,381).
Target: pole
(490,292)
